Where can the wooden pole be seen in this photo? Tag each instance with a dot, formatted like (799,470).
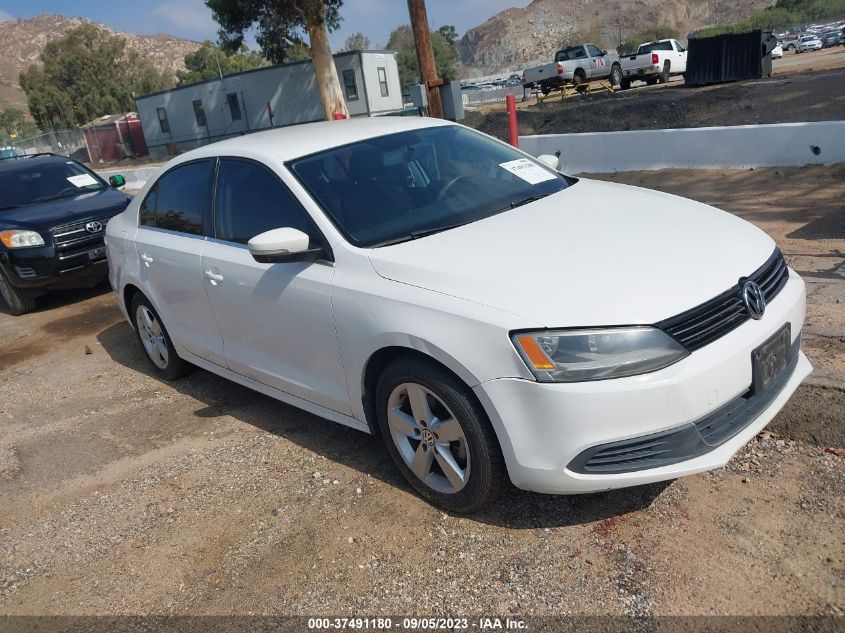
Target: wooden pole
(425,55)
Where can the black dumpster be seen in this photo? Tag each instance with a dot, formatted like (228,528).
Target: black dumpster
(730,57)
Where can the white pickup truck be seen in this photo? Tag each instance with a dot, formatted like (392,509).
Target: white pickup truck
(653,62)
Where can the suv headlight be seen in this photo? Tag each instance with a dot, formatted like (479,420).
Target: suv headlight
(21,239)
(596,354)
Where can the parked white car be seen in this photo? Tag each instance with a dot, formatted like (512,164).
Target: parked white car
(486,315)
(653,62)
(777,52)
(808,43)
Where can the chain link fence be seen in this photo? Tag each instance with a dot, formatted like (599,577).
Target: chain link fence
(69,142)
(491,94)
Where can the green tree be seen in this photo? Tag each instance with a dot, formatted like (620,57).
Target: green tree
(659,32)
(210,61)
(402,41)
(86,74)
(281,27)
(449,34)
(15,125)
(356,42)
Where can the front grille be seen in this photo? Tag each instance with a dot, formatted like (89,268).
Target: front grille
(74,240)
(74,236)
(688,441)
(709,321)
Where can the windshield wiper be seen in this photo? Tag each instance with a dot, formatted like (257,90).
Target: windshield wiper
(415,235)
(519,203)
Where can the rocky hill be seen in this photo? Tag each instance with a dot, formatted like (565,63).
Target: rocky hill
(515,38)
(21,43)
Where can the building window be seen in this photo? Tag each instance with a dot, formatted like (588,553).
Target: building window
(234,106)
(349,85)
(162,120)
(199,113)
(382,81)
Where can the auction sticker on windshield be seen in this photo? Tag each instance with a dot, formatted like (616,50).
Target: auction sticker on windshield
(82,180)
(527,170)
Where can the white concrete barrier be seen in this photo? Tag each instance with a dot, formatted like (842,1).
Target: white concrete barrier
(136,177)
(735,147)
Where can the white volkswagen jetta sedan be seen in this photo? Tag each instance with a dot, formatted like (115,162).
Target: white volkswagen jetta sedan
(487,316)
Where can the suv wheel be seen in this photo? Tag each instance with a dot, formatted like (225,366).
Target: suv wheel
(438,435)
(155,340)
(18,300)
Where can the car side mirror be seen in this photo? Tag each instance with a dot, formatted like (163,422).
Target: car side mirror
(284,245)
(117,181)
(549,159)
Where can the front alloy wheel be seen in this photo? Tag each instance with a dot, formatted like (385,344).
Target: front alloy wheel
(428,437)
(438,434)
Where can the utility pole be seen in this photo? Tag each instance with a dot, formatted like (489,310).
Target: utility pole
(425,56)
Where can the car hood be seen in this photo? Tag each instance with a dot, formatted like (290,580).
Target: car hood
(44,215)
(595,253)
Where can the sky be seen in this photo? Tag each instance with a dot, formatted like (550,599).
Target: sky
(191,19)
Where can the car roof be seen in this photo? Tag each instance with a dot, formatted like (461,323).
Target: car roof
(22,164)
(295,141)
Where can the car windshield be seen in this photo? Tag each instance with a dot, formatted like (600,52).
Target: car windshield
(654,46)
(38,181)
(408,185)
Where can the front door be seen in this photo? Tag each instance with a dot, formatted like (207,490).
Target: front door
(276,319)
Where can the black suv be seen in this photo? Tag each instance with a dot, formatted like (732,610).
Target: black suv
(53,214)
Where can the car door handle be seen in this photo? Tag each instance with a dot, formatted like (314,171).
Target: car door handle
(146,259)
(213,277)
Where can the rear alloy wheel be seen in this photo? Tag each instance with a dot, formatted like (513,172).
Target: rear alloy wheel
(19,301)
(156,341)
(438,435)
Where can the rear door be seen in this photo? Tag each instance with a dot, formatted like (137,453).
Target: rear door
(276,319)
(173,223)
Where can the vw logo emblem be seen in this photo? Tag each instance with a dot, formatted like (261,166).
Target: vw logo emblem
(753,299)
(94,227)
(428,437)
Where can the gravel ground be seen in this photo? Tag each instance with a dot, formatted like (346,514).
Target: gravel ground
(121,494)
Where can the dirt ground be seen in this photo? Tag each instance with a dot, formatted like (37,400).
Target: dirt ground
(805,87)
(122,494)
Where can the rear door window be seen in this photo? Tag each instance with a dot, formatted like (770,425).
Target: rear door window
(181,199)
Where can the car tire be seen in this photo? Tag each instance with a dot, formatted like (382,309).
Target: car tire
(578,78)
(155,341)
(665,74)
(415,397)
(616,75)
(18,300)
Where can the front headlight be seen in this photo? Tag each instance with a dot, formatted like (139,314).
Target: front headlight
(21,239)
(596,354)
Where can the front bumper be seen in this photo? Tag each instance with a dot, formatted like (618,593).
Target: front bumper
(543,427)
(44,268)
